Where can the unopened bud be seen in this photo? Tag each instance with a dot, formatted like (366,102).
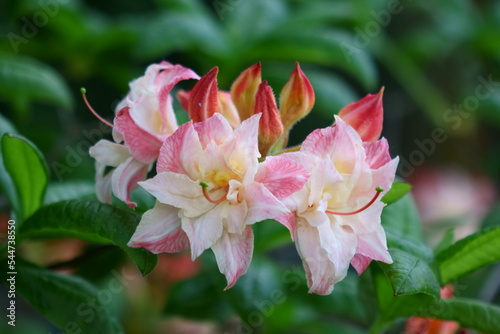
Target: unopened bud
(228,109)
(365,116)
(270,126)
(203,98)
(183,97)
(243,90)
(296,99)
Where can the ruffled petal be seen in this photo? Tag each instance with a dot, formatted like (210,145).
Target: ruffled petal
(143,146)
(261,204)
(320,271)
(281,176)
(204,231)
(108,153)
(180,191)
(340,246)
(233,253)
(215,128)
(125,178)
(360,263)
(159,231)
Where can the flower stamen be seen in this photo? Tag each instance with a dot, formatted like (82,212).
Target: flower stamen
(379,190)
(204,187)
(83,91)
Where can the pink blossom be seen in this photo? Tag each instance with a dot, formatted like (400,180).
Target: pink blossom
(210,188)
(144,119)
(336,217)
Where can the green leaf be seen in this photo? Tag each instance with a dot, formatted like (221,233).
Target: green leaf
(398,241)
(397,191)
(28,171)
(24,80)
(68,190)
(409,274)
(70,302)
(469,254)
(91,221)
(402,216)
(401,288)
(6,185)
(446,242)
(469,313)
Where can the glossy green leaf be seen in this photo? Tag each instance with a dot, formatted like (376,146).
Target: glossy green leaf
(24,80)
(446,242)
(398,241)
(402,216)
(28,171)
(68,190)
(469,313)
(409,274)
(397,191)
(91,221)
(69,302)
(6,185)
(469,254)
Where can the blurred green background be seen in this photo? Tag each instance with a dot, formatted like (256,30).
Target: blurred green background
(439,62)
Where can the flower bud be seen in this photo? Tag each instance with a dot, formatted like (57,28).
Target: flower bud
(270,126)
(296,99)
(228,109)
(203,98)
(365,116)
(243,90)
(183,97)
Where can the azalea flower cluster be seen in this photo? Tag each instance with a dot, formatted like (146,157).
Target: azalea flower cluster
(228,168)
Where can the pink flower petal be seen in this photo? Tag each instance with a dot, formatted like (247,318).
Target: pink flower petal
(215,128)
(204,231)
(245,150)
(180,191)
(160,231)
(143,146)
(262,204)
(180,152)
(320,271)
(125,178)
(108,153)
(340,142)
(360,263)
(377,153)
(233,253)
(340,246)
(281,176)
(374,246)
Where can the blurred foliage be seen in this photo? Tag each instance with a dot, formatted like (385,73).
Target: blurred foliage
(439,62)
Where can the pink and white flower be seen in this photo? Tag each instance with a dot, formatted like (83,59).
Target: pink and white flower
(336,215)
(144,119)
(210,188)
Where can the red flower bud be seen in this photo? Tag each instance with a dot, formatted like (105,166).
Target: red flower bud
(365,116)
(203,98)
(296,99)
(243,90)
(270,126)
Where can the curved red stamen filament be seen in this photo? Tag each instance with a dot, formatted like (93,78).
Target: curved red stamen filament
(84,92)
(204,187)
(378,190)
